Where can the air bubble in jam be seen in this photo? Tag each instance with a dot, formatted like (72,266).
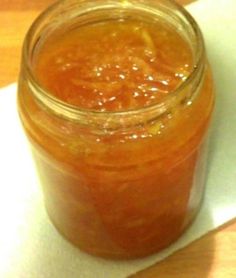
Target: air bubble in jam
(119,66)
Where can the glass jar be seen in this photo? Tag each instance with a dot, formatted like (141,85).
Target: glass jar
(119,184)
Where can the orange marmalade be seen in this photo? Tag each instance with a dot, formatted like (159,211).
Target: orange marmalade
(114,65)
(116,101)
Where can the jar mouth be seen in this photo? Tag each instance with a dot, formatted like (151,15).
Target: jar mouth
(75,112)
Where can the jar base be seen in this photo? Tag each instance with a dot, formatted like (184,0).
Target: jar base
(125,256)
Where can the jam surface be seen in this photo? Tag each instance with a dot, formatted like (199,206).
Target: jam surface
(114,66)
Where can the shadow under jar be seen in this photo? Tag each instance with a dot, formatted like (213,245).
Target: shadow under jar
(116,99)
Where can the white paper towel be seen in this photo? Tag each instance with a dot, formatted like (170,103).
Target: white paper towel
(30,247)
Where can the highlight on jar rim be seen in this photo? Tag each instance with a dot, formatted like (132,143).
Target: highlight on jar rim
(116,100)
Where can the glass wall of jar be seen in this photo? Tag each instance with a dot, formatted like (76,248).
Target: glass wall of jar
(120,183)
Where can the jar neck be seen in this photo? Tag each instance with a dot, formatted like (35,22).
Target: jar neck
(89,11)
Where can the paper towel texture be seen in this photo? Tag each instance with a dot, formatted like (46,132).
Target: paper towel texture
(30,247)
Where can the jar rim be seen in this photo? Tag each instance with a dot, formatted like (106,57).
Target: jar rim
(74,112)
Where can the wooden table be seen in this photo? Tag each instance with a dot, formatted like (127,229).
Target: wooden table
(213,256)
